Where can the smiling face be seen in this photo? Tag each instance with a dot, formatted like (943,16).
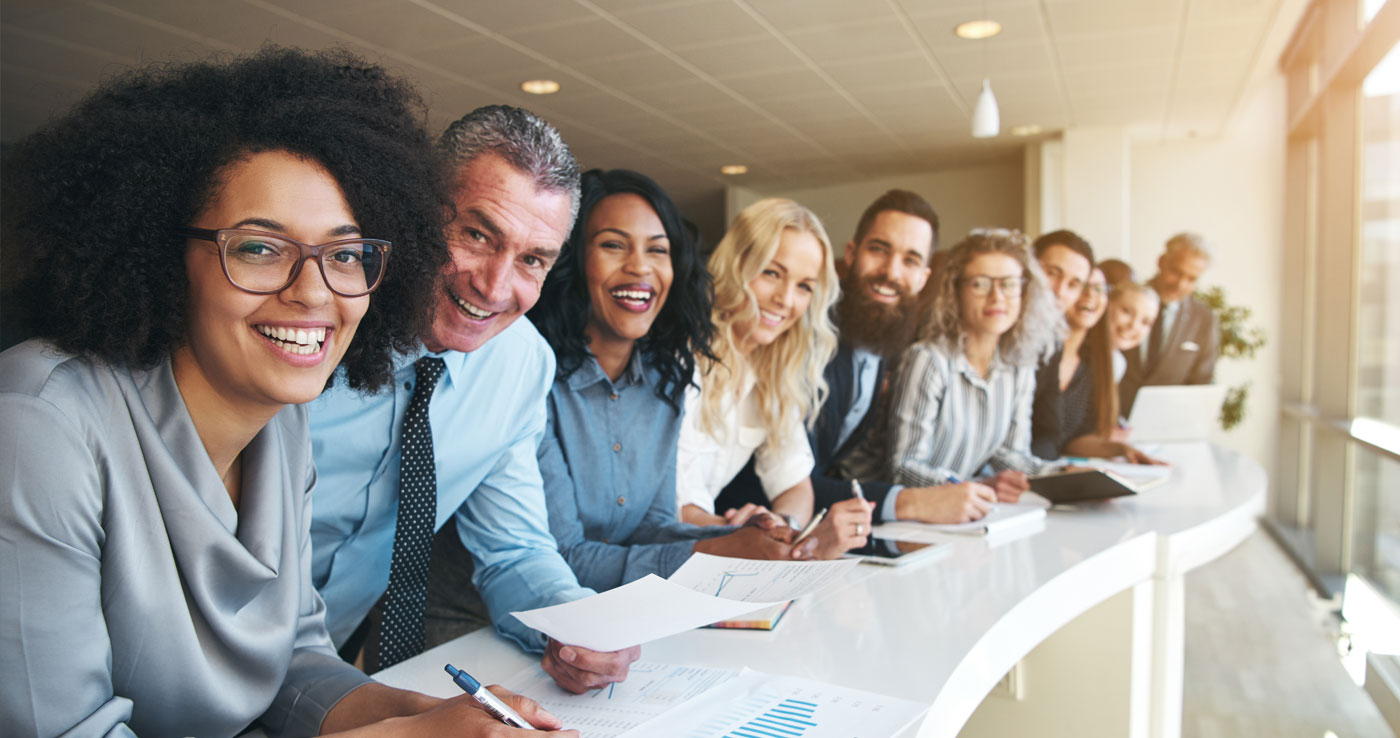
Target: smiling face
(1177,274)
(266,351)
(1093,300)
(1130,315)
(994,313)
(891,261)
(784,288)
(506,236)
(1066,271)
(627,262)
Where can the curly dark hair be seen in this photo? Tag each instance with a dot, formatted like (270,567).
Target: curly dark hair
(682,330)
(94,196)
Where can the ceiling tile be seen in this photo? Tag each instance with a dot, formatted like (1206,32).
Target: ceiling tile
(399,26)
(728,115)
(504,17)
(592,38)
(1096,16)
(1215,38)
(645,70)
(741,56)
(878,71)
(479,58)
(708,22)
(780,84)
(1007,61)
(880,37)
(1100,51)
(791,15)
(681,96)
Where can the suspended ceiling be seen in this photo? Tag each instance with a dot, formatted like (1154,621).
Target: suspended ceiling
(803,92)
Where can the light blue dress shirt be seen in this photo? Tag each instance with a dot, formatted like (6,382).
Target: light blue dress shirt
(488,417)
(609,466)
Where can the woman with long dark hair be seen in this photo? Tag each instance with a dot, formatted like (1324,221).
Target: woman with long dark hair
(626,310)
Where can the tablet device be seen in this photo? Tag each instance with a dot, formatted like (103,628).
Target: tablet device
(1178,412)
(1079,485)
(889,552)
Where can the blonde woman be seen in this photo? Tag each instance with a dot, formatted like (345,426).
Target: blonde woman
(961,396)
(775,283)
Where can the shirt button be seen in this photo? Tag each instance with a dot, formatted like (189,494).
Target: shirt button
(617,447)
(408,385)
(621,500)
(613,396)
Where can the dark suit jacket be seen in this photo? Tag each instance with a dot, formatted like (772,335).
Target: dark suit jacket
(841,383)
(1187,356)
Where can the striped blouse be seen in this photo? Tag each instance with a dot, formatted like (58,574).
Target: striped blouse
(946,421)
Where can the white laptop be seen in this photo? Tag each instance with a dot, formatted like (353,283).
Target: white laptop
(1181,412)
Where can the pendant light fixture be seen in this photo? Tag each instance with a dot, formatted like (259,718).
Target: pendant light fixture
(986,119)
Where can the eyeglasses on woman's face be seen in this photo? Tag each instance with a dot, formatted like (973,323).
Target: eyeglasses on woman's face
(981,286)
(265,263)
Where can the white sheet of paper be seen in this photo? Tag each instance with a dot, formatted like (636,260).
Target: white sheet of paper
(1141,476)
(758,581)
(639,611)
(1002,516)
(755,703)
(650,690)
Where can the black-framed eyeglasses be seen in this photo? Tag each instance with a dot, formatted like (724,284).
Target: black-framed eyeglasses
(982,286)
(266,263)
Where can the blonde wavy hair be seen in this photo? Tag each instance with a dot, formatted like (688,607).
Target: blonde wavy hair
(1038,328)
(789,370)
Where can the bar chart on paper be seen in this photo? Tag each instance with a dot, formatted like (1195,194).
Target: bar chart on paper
(787,719)
(757,705)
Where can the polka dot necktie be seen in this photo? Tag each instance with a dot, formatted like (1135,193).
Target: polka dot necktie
(401,635)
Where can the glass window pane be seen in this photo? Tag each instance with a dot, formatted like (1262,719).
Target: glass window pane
(1378,296)
(1376,536)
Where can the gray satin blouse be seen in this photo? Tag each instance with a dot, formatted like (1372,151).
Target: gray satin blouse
(134,598)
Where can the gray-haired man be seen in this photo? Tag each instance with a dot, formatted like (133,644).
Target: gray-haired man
(454,443)
(1185,339)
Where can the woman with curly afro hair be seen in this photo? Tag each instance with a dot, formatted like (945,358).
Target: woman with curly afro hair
(203,241)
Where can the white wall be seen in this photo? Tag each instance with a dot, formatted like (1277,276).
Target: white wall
(1230,190)
(964,198)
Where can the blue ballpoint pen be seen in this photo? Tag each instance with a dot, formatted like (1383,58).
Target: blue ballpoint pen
(491,702)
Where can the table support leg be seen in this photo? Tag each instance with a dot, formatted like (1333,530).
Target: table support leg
(1168,655)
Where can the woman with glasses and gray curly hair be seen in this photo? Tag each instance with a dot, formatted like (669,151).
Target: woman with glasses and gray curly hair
(961,396)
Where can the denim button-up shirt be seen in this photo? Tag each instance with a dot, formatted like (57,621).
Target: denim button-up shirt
(609,465)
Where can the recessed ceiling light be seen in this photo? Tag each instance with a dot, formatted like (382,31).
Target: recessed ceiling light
(1026,130)
(978,29)
(733,169)
(540,86)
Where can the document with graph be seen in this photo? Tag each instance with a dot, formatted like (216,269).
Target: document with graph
(715,588)
(758,705)
(752,580)
(651,689)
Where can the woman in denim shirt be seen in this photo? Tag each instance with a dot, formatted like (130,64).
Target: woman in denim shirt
(626,310)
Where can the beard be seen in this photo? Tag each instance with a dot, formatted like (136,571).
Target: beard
(880,328)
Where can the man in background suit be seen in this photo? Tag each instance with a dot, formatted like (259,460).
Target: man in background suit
(1185,340)
(885,267)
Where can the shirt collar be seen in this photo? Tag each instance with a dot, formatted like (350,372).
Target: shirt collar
(997,366)
(590,373)
(455,362)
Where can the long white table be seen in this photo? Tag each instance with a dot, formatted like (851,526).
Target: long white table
(1092,607)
